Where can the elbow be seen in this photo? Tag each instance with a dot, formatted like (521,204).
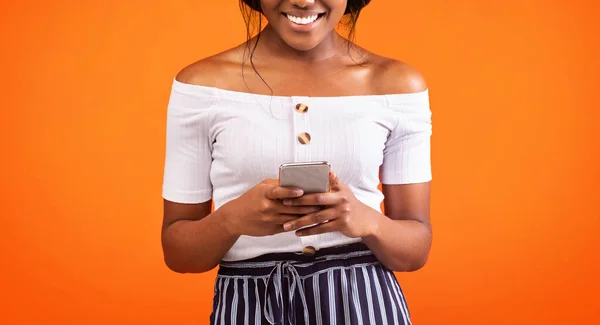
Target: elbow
(416,265)
(180,260)
(403,264)
(181,265)
(408,266)
(416,258)
(176,266)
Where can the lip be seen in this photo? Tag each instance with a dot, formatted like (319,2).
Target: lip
(303,14)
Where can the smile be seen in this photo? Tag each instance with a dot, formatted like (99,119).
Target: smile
(303,20)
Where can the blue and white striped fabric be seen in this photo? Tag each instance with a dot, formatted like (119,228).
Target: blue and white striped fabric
(341,285)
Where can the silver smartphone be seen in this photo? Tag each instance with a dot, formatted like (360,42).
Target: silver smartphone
(311,177)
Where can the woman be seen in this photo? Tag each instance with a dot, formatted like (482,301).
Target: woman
(298,91)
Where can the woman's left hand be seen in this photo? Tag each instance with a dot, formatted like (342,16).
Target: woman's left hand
(342,212)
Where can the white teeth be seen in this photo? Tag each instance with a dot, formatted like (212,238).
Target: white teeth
(302,21)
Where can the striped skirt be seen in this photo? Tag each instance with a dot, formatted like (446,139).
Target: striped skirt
(340,285)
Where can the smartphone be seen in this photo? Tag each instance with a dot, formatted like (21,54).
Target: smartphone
(311,177)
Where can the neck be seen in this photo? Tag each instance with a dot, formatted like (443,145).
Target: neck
(272,46)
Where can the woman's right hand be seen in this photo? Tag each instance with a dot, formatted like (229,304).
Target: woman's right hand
(261,212)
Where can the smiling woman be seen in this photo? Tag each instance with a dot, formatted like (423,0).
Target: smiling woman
(286,256)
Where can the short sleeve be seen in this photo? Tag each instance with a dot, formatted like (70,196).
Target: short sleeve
(188,153)
(407,153)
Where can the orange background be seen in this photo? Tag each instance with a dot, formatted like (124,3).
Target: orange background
(515,155)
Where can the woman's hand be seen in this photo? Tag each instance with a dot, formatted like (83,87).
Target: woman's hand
(261,212)
(341,211)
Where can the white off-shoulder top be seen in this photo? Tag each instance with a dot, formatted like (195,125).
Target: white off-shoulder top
(221,143)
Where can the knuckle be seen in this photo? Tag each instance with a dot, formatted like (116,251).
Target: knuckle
(265,190)
(265,205)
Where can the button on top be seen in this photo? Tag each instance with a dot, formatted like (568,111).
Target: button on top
(308,251)
(304,138)
(301,108)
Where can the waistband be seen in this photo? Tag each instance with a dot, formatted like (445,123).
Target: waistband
(274,268)
(326,258)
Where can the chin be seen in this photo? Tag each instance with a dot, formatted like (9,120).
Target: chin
(302,45)
(302,37)
(302,42)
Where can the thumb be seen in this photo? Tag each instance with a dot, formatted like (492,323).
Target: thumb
(335,183)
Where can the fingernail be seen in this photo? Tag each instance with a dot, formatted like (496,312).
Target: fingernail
(287,202)
(287,226)
(298,192)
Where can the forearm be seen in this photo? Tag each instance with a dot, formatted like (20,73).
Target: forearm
(400,245)
(197,246)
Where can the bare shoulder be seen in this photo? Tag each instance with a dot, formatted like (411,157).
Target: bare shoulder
(397,77)
(219,70)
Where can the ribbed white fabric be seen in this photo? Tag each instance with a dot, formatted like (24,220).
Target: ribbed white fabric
(221,143)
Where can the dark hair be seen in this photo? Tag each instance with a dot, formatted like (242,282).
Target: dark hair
(251,11)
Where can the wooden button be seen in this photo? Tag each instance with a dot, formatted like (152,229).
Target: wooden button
(301,108)
(304,138)
(308,251)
